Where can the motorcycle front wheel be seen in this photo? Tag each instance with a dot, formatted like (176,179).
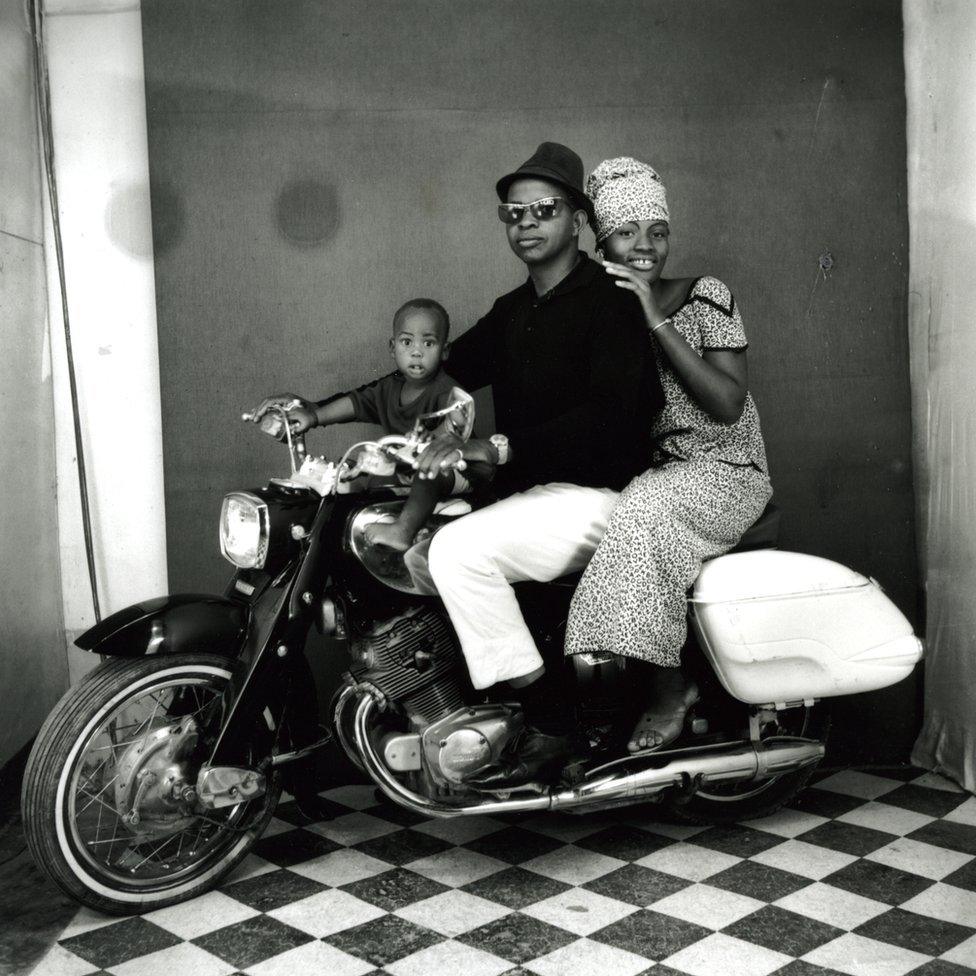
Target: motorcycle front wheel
(109,804)
(726,803)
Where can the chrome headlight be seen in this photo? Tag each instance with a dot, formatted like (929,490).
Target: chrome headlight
(245,528)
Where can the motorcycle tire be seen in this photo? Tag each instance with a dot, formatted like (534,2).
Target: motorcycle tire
(735,802)
(63,819)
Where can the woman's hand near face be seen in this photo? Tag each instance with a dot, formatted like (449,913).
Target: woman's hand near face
(630,280)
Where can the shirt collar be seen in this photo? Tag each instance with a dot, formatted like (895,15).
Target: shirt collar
(583,273)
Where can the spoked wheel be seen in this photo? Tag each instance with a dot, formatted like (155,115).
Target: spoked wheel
(109,801)
(729,802)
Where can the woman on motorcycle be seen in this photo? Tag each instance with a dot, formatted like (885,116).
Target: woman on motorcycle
(710,482)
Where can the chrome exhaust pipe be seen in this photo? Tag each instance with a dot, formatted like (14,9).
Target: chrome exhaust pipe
(743,763)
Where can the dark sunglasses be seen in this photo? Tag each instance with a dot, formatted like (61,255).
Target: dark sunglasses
(544,209)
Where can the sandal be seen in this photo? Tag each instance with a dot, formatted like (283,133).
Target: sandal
(659,726)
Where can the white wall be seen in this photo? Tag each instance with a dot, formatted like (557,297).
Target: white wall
(33,670)
(940,60)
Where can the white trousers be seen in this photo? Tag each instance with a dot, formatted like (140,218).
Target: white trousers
(540,534)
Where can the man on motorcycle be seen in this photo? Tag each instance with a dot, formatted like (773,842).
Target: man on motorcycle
(574,389)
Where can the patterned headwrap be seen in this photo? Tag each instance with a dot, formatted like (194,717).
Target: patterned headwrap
(625,189)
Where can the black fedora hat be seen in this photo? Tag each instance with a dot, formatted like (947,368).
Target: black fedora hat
(557,164)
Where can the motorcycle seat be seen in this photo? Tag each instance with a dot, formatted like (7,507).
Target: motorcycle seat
(762,534)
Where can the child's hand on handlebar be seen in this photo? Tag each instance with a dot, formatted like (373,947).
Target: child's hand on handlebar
(301,419)
(276,400)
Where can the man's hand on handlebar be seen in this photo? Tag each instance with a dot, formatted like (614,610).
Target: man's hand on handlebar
(445,451)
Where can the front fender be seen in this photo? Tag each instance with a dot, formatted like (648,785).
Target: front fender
(173,624)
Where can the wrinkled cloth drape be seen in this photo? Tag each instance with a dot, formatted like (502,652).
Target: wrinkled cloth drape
(940,36)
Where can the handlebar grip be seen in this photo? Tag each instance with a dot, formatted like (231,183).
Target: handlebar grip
(247,416)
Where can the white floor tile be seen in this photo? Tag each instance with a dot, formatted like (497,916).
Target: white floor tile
(945,902)
(573,865)
(878,815)
(854,783)
(341,867)
(831,905)
(60,962)
(353,828)
(185,959)
(88,920)
(857,956)
(587,958)
(787,823)
(453,912)
(196,917)
(965,813)
(357,797)
(580,911)
(723,954)
(251,867)
(676,831)
(456,866)
(313,957)
(327,912)
(460,830)
(707,906)
(449,959)
(565,827)
(808,860)
(276,826)
(936,782)
(688,861)
(926,860)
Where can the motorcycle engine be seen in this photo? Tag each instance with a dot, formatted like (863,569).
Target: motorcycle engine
(468,740)
(415,661)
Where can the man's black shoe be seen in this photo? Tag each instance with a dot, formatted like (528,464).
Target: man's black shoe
(532,758)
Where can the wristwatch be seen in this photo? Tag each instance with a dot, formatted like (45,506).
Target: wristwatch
(500,443)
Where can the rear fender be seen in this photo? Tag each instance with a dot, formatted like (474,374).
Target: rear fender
(175,624)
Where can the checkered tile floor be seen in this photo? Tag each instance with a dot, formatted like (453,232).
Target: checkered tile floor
(865,874)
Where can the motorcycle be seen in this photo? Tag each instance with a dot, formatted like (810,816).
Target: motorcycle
(154,776)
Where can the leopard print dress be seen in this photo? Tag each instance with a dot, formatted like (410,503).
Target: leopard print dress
(711,485)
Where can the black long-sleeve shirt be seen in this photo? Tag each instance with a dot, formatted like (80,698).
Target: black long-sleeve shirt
(573,380)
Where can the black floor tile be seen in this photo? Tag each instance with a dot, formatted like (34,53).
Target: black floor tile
(847,838)
(383,940)
(272,890)
(396,814)
(394,889)
(293,847)
(514,844)
(119,942)
(517,938)
(403,846)
(946,833)
(252,941)
(758,881)
(783,931)
(919,933)
(290,813)
(942,967)
(878,881)
(637,885)
(516,888)
(964,877)
(800,968)
(921,799)
(624,842)
(651,934)
(736,840)
(824,803)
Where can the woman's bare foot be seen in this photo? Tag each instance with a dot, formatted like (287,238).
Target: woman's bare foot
(390,534)
(661,723)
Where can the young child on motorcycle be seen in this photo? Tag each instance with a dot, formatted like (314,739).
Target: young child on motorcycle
(419,346)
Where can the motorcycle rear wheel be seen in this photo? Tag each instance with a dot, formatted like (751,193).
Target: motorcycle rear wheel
(726,803)
(75,799)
